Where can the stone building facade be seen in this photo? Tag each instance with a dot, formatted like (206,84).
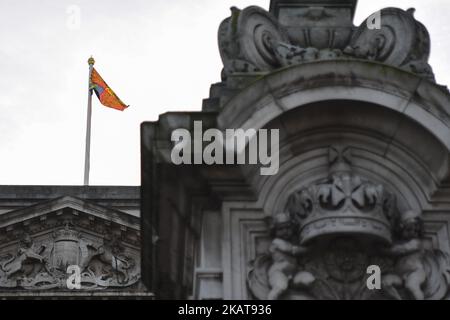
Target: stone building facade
(46,230)
(363,179)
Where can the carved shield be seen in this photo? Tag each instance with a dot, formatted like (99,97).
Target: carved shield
(66,253)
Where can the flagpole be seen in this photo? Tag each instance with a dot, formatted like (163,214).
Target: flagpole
(91,63)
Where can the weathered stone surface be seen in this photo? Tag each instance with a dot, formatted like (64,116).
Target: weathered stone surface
(352,223)
(318,24)
(46,229)
(382,197)
(293,32)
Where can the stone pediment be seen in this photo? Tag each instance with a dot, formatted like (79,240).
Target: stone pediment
(39,243)
(40,210)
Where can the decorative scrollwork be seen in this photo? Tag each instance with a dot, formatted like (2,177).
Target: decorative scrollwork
(252,40)
(247,39)
(401,41)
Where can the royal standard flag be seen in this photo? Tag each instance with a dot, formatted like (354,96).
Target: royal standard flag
(104,93)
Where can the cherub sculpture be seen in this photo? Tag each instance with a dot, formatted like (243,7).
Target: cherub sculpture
(422,273)
(284,253)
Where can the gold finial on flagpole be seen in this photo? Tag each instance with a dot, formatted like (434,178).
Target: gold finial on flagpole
(87,161)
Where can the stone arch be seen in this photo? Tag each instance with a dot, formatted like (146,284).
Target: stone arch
(357,80)
(380,111)
(395,163)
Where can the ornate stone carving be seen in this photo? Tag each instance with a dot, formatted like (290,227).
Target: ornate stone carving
(43,266)
(284,253)
(287,54)
(247,38)
(111,264)
(418,273)
(252,40)
(401,41)
(316,14)
(333,231)
(345,203)
(66,247)
(26,261)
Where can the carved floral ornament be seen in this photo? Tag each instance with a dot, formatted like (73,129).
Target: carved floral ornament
(43,265)
(332,231)
(252,40)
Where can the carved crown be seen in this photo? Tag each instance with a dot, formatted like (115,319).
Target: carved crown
(345,204)
(66,234)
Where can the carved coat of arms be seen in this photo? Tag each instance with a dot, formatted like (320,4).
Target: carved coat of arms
(43,265)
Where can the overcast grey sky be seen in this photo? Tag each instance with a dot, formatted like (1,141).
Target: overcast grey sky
(158,56)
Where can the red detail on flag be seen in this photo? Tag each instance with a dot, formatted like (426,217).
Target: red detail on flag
(104,93)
